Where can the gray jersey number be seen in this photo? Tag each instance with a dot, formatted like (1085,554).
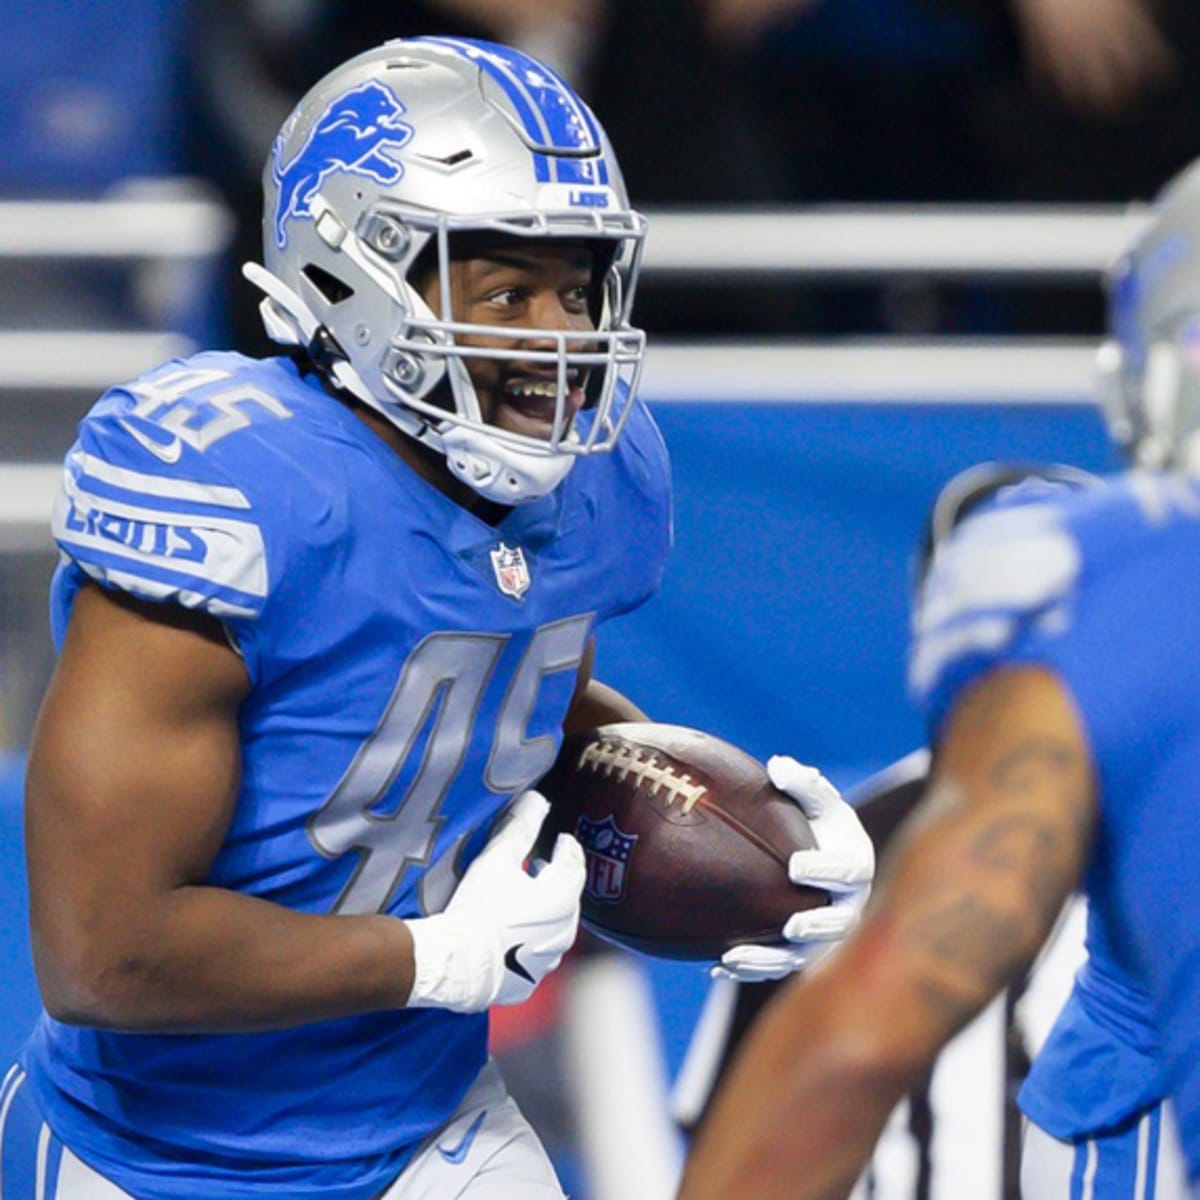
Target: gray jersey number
(160,402)
(440,687)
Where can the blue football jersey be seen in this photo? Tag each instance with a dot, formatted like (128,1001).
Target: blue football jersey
(411,667)
(1102,587)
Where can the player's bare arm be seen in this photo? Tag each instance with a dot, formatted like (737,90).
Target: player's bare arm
(595,703)
(132,778)
(963,905)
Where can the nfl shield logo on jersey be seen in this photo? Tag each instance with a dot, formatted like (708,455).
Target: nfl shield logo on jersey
(512,572)
(607,852)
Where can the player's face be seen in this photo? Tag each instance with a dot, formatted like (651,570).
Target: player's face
(516,284)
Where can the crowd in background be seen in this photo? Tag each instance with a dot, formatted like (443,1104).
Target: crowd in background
(708,102)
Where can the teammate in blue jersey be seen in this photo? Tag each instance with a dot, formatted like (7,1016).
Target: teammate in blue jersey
(324,619)
(1057,652)
(1097,1120)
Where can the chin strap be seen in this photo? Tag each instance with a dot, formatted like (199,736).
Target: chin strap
(499,472)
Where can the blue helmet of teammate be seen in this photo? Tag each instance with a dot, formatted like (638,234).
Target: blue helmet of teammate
(1151,362)
(379,167)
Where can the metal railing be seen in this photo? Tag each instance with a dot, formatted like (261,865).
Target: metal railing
(1042,241)
(165,220)
(170,223)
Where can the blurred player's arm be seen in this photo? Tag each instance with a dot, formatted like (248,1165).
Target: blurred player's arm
(966,899)
(132,778)
(1102,57)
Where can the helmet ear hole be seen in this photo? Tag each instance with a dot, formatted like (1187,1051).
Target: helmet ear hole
(333,289)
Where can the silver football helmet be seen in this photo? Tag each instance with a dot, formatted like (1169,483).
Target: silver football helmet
(379,167)
(1150,365)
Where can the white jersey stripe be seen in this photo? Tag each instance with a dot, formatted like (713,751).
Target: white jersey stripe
(157,485)
(936,651)
(85,501)
(221,607)
(999,569)
(220,550)
(1019,559)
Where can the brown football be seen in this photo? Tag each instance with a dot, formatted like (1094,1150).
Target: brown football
(686,839)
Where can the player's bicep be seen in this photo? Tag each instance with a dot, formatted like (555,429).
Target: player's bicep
(594,703)
(998,843)
(132,773)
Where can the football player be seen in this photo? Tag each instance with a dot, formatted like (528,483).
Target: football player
(1056,651)
(1094,1101)
(324,619)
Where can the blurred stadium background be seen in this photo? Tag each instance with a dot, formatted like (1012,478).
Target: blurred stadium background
(821,360)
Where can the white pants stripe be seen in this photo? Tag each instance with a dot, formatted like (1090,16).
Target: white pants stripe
(1142,1161)
(34,1164)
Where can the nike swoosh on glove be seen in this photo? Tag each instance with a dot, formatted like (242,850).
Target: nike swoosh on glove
(843,864)
(504,929)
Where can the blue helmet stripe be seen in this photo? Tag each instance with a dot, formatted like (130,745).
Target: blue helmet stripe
(551,112)
(589,169)
(564,102)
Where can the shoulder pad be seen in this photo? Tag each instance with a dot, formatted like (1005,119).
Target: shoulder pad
(995,573)
(147,503)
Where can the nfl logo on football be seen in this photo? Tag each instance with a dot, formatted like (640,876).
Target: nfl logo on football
(607,851)
(512,573)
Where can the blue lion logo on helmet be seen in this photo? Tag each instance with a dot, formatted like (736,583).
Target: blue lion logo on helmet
(350,136)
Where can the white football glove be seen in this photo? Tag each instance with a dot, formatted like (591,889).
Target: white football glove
(843,864)
(504,929)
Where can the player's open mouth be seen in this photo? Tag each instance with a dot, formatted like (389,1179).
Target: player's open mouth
(531,404)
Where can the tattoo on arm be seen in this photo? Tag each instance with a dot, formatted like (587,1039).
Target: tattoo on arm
(1020,854)
(974,937)
(1045,846)
(1026,766)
